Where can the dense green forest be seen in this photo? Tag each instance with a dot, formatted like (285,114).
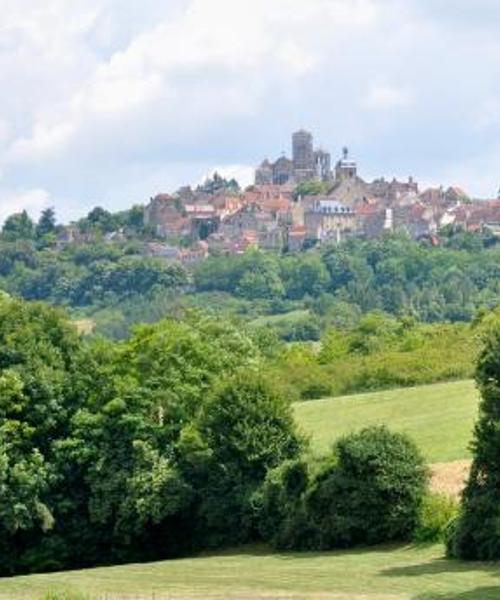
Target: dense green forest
(393,274)
(356,345)
(129,451)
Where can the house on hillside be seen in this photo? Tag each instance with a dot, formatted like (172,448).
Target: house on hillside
(165,215)
(370,218)
(327,219)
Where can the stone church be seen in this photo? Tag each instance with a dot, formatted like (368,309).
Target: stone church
(306,164)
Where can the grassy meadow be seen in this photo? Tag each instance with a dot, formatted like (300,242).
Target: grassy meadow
(387,573)
(439,417)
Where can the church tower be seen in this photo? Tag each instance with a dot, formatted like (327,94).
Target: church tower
(346,168)
(303,155)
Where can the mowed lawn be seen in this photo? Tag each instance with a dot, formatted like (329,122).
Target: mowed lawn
(398,573)
(438,417)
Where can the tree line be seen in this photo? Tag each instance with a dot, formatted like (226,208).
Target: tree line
(170,442)
(375,352)
(394,274)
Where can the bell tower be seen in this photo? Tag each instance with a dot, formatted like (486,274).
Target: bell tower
(346,168)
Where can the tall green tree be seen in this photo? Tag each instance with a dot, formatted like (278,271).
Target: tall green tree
(311,188)
(38,354)
(18,227)
(101,220)
(128,489)
(46,223)
(245,428)
(476,533)
(304,274)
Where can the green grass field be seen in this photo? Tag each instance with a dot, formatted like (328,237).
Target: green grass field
(438,417)
(406,573)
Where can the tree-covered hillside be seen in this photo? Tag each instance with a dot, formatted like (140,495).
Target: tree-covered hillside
(113,280)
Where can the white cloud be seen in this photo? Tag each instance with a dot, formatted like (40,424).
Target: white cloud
(481,169)
(5,132)
(295,58)
(217,60)
(33,201)
(45,141)
(382,96)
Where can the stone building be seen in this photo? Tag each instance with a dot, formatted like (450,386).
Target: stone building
(394,191)
(370,218)
(264,173)
(303,156)
(225,203)
(322,165)
(327,219)
(306,164)
(165,215)
(203,220)
(346,169)
(283,171)
(296,237)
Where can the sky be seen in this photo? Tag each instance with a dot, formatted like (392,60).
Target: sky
(108,102)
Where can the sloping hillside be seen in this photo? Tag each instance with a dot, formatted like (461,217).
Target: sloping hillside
(438,417)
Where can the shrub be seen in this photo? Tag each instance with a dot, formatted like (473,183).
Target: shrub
(281,516)
(297,371)
(247,428)
(436,514)
(370,358)
(299,330)
(371,491)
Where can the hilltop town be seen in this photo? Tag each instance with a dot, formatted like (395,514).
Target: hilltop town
(299,202)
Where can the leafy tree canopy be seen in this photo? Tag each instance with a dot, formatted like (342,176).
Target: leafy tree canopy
(476,532)
(18,226)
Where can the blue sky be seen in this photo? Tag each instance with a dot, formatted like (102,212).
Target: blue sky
(111,101)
